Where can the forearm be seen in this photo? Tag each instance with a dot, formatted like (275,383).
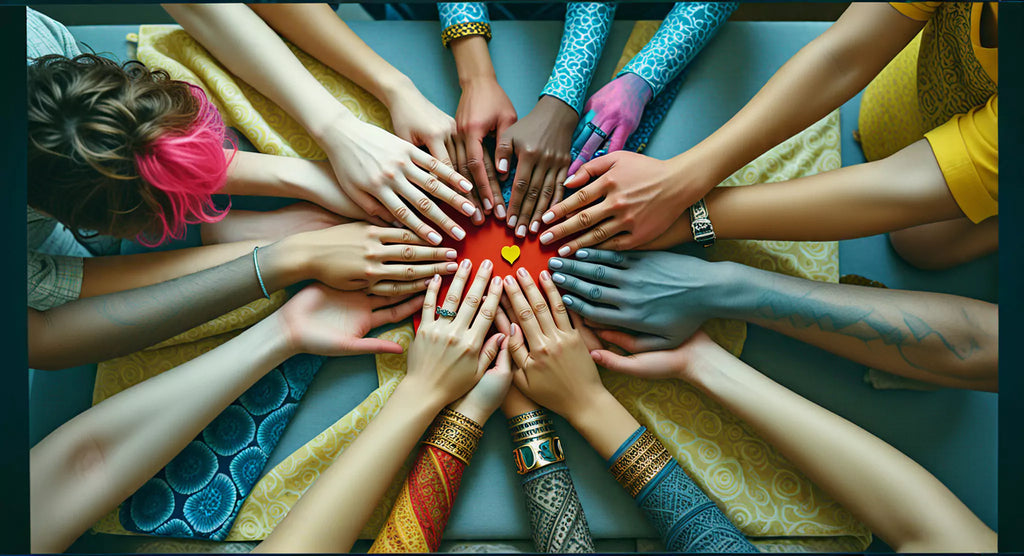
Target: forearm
(898,499)
(587,25)
(331,513)
(90,464)
(233,33)
(106,326)
(472,59)
(317,29)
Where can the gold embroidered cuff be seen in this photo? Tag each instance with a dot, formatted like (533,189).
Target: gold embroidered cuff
(640,463)
(537,453)
(527,426)
(465,29)
(454,433)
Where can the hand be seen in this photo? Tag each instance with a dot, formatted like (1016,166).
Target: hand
(419,122)
(449,356)
(637,198)
(555,368)
(483,108)
(387,176)
(693,361)
(540,141)
(248,225)
(664,296)
(329,322)
(355,256)
(617,107)
(489,393)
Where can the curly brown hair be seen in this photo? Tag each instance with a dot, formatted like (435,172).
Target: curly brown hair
(90,123)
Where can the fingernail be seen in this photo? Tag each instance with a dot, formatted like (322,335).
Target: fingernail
(501,337)
(546,237)
(458,232)
(428,281)
(396,224)
(569,179)
(512,221)
(495,282)
(451,254)
(521,230)
(514,329)
(434,237)
(582,254)
(558,278)
(510,281)
(466,263)
(564,250)
(548,217)
(478,217)
(487,203)
(436,278)
(567,300)
(545,275)
(534,227)
(522,272)
(468,208)
(555,264)
(466,186)
(451,267)
(486,264)
(500,211)
(503,165)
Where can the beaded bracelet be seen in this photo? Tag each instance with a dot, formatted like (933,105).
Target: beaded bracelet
(454,433)
(639,463)
(466,29)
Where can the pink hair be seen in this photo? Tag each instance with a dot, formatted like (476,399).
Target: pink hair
(188,169)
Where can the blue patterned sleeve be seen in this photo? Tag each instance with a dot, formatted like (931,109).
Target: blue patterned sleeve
(686,519)
(460,19)
(586,28)
(685,31)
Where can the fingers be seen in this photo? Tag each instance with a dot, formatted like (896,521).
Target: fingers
(589,171)
(520,185)
(602,256)
(437,148)
(432,185)
(503,361)
(370,345)
(530,198)
(474,149)
(524,315)
(635,343)
(593,143)
(590,271)
(618,139)
(626,364)
(537,302)
(408,217)
(589,311)
(446,173)
(586,332)
(517,349)
(388,288)
(454,295)
(605,233)
(583,220)
(575,202)
(488,311)
(559,188)
(501,320)
(430,300)
(414,273)
(370,205)
(398,235)
(415,253)
(494,189)
(558,310)
(395,313)
(503,153)
(489,351)
(467,310)
(547,192)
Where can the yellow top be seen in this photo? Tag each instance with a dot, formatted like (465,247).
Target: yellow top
(957,90)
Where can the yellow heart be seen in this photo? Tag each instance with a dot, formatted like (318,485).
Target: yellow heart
(510,253)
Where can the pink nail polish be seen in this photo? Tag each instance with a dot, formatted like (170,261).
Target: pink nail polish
(485,265)
(522,272)
(466,263)
(544,275)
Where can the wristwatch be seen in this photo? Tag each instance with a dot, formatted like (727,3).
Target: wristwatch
(700,223)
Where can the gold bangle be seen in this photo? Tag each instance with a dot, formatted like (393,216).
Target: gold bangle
(528,416)
(466,29)
(534,431)
(640,463)
(538,453)
(454,433)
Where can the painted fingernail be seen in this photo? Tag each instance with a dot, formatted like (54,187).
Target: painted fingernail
(487,203)
(548,217)
(564,250)
(495,282)
(466,186)
(534,227)
(500,211)
(512,221)
(465,263)
(545,275)
(434,237)
(500,337)
(514,329)
(478,217)
(521,230)
(486,265)
(436,278)
(510,281)
(458,232)
(546,237)
(582,254)
(522,272)
(555,264)
(468,208)
(569,179)
(451,254)
(567,300)
(451,267)
(558,278)
(503,165)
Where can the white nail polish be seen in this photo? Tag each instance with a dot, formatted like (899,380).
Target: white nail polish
(500,211)
(434,237)
(466,186)
(503,165)
(468,208)
(548,217)
(546,237)
(487,203)
(534,226)
(563,251)
(521,230)
(458,232)
(569,179)
(512,221)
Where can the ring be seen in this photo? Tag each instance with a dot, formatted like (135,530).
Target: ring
(444,313)
(597,130)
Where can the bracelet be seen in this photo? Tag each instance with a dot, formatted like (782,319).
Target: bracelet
(640,463)
(537,453)
(454,433)
(533,424)
(259,277)
(700,223)
(466,29)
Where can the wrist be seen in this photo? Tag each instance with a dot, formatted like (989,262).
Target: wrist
(395,89)
(428,397)
(336,121)
(556,110)
(478,414)
(472,59)
(733,291)
(286,262)
(274,335)
(603,421)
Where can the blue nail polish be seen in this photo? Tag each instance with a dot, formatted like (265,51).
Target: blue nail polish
(567,300)
(558,278)
(581,254)
(555,263)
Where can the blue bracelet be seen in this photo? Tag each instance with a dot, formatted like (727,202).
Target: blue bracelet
(259,276)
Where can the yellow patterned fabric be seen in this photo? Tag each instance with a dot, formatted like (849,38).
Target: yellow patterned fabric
(265,124)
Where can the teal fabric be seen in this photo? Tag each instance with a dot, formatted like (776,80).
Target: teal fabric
(586,29)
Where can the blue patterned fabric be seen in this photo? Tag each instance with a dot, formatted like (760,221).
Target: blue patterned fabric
(586,28)
(198,494)
(454,13)
(681,36)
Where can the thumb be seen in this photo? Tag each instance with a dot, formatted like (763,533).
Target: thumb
(369,345)
(625,364)
(589,171)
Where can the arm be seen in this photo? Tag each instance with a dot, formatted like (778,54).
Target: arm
(541,140)
(381,173)
(905,505)
(446,359)
(619,105)
(641,197)
(93,462)
(557,372)
(939,338)
(111,324)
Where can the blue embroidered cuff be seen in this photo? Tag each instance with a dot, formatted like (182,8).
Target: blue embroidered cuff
(462,19)
(586,28)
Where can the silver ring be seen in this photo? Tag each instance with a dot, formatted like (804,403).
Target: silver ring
(597,130)
(447,313)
